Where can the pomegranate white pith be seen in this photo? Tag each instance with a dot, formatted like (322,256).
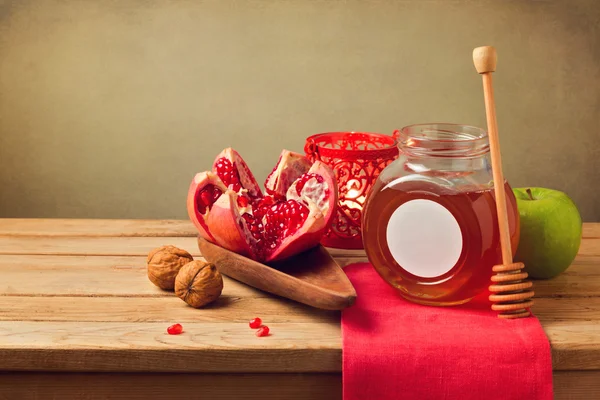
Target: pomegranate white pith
(289,220)
(289,168)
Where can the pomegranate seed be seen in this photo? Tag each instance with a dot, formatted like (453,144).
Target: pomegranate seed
(228,174)
(207,196)
(242,201)
(175,329)
(263,331)
(266,201)
(255,323)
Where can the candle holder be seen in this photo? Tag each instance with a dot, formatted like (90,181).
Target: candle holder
(357,158)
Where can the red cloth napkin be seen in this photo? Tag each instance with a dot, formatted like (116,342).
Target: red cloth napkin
(395,349)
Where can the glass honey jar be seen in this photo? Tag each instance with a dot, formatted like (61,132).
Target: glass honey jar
(429,225)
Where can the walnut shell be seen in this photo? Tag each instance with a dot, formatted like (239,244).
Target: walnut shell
(198,283)
(164,263)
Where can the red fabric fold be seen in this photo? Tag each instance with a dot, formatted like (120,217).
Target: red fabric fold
(395,349)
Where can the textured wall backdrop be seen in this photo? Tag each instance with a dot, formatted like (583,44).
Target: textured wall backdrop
(108,108)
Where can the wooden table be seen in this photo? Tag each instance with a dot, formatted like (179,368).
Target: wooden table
(79,319)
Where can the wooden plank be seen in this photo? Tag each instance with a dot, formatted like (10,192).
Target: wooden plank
(100,386)
(575,345)
(140,246)
(576,385)
(134,227)
(567,309)
(222,346)
(580,280)
(88,276)
(117,246)
(95,227)
(591,230)
(589,247)
(40,275)
(568,385)
(168,310)
(99,246)
(227,309)
(146,347)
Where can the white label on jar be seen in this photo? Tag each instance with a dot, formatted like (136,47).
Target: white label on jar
(424,238)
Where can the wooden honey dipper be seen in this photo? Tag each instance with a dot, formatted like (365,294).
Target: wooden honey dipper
(512,294)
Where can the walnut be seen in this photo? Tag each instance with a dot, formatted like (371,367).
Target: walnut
(198,283)
(164,263)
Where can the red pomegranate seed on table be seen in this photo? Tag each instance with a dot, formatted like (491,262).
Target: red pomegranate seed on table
(255,323)
(263,331)
(175,329)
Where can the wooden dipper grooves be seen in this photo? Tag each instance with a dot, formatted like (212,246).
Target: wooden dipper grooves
(512,294)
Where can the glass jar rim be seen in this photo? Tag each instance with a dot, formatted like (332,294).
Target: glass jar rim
(443,140)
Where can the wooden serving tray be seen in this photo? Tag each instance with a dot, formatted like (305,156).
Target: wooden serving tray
(313,278)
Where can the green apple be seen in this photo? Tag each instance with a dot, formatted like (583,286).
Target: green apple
(550,231)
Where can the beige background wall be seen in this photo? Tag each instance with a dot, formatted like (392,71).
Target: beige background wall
(108,108)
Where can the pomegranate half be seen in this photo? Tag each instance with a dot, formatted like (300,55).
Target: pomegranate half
(229,209)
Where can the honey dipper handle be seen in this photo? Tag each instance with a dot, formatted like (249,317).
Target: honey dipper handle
(485,59)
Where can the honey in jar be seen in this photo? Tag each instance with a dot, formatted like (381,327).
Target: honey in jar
(430,226)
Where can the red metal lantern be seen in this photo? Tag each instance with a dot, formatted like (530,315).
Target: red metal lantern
(357,158)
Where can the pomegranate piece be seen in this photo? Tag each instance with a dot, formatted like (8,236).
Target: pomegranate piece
(175,329)
(228,227)
(235,215)
(319,193)
(255,323)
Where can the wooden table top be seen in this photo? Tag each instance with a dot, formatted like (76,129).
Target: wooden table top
(74,297)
